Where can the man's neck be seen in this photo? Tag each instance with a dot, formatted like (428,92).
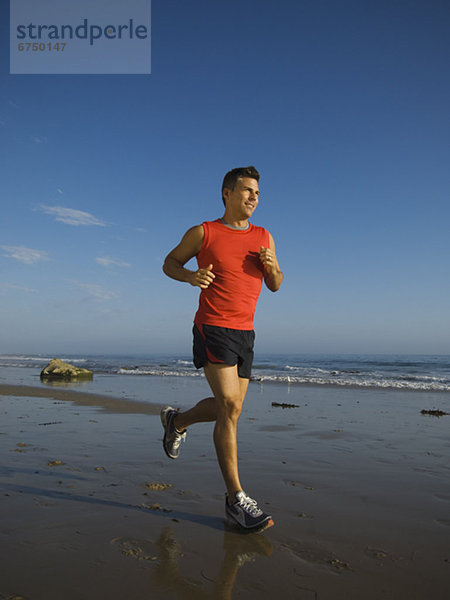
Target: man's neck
(235,221)
(236,224)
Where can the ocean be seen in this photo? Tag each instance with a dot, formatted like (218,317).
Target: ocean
(396,372)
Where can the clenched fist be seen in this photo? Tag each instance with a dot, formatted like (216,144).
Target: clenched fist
(202,277)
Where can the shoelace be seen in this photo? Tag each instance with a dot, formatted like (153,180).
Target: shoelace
(177,439)
(250,506)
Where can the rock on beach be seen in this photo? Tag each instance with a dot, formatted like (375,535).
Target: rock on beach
(58,369)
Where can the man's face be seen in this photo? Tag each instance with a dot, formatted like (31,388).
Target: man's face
(244,198)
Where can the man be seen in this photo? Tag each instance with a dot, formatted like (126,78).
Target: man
(233,257)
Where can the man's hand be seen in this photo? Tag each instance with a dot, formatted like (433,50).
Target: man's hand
(268,258)
(272,272)
(202,277)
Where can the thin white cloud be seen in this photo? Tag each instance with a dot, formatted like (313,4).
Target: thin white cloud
(5,285)
(72,216)
(60,191)
(38,139)
(108,261)
(25,255)
(96,292)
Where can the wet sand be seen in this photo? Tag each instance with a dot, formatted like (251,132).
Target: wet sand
(358,483)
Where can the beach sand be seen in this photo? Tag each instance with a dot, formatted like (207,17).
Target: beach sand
(358,483)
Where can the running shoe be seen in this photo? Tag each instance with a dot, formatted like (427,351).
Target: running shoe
(172,437)
(245,512)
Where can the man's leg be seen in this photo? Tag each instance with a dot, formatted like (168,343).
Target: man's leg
(203,412)
(224,408)
(229,392)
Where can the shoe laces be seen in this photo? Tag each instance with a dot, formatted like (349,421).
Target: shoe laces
(249,505)
(177,438)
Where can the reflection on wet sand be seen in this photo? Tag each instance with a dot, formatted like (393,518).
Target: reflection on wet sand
(65,383)
(239,549)
(167,576)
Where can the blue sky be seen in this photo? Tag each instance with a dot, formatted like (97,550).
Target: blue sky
(342,106)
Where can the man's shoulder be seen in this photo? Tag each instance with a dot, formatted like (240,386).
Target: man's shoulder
(212,223)
(193,237)
(258,227)
(262,231)
(195,230)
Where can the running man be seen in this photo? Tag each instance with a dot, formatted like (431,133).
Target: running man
(234,257)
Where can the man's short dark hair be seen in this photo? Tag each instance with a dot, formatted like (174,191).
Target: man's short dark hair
(231,178)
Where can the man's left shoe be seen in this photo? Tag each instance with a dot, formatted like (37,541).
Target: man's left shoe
(172,437)
(245,512)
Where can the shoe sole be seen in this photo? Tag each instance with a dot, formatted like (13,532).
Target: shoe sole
(233,525)
(163,416)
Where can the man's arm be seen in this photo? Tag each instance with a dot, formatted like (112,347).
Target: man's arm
(272,272)
(190,246)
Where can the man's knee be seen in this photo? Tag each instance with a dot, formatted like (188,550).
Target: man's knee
(229,406)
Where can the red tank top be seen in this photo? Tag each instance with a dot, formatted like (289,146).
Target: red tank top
(230,300)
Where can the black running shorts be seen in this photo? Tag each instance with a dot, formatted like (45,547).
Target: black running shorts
(224,345)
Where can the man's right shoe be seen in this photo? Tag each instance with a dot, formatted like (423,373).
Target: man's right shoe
(245,512)
(172,437)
